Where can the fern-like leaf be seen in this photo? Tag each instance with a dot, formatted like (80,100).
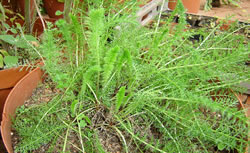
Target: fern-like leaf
(119,98)
(109,61)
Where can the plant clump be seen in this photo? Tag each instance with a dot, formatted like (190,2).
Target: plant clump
(127,88)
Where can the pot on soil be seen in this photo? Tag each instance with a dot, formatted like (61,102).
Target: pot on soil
(17,96)
(51,6)
(192,6)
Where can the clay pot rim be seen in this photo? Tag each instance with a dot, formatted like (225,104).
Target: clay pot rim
(6,122)
(19,82)
(19,72)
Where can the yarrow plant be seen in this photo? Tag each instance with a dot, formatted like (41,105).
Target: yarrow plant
(151,90)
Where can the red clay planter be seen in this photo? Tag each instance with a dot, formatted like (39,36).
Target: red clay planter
(3,96)
(8,5)
(37,28)
(192,6)
(8,79)
(21,7)
(52,6)
(21,91)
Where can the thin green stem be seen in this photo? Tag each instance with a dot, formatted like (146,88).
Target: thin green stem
(27,16)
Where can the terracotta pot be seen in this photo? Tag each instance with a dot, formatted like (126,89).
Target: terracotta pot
(8,5)
(21,7)
(37,28)
(9,77)
(4,2)
(3,96)
(13,23)
(51,6)
(20,92)
(192,6)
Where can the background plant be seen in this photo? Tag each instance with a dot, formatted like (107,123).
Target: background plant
(153,89)
(14,43)
(208,4)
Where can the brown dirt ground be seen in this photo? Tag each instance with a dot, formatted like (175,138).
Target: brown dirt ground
(241,13)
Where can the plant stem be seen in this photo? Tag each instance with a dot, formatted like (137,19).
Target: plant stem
(39,13)
(27,16)
(2,28)
(67,7)
(65,140)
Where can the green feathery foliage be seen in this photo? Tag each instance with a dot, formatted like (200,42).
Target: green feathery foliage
(109,63)
(154,89)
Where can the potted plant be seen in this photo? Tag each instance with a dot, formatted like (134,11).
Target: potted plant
(10,72)
(133,89)
(13,97)
(16,83)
